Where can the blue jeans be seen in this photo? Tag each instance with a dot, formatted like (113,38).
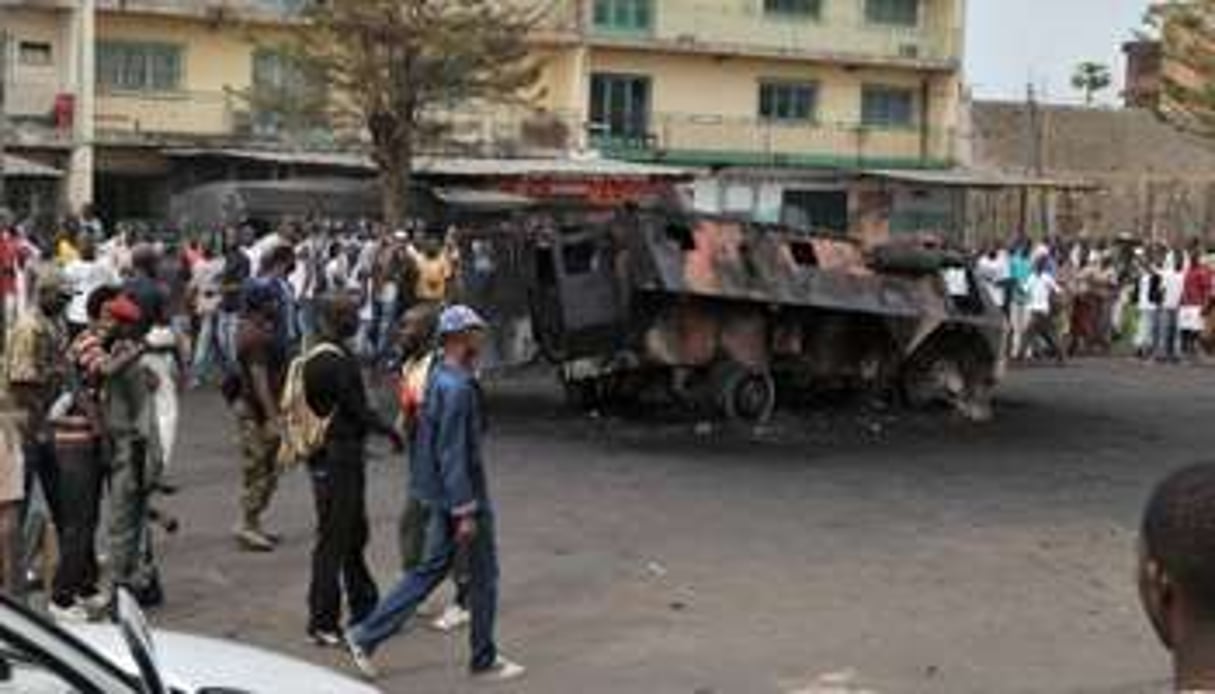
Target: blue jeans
(386,329)
(206,345)
(227,338)
(438,559)
(1165,342)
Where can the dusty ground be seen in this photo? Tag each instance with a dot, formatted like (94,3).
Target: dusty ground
(835,552)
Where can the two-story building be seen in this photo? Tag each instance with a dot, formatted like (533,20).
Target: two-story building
(778,101)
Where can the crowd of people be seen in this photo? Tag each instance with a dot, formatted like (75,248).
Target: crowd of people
(1065,299)
(101,331)
(286,322)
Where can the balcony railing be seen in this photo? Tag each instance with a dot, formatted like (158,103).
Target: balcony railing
(710,139)
(167,113)
(214,9)
(683,138)
(32,100)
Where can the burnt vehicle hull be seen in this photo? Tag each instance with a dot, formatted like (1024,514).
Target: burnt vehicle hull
(724,315)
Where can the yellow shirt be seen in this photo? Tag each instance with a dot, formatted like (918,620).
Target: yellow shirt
(65,252)
(433,274)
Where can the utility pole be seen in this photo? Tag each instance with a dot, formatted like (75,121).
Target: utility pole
(3,111)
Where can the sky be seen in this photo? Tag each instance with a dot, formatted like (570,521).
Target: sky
(1013,42)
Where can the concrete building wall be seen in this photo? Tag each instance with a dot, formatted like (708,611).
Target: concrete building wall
(1151,179)
(686,117)
(33,87)
(840,32)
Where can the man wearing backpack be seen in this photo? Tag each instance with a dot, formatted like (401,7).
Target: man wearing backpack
(333,386)
(449,477)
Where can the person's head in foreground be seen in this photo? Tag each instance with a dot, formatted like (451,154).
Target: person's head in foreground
(338,316)
(1177,573)
(462,332)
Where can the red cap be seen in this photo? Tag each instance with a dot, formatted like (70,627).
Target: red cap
(123,310)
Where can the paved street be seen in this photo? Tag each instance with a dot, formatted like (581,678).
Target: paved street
(889,553)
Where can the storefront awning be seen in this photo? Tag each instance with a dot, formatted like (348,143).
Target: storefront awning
(975,178)
(20,167)
(455,167)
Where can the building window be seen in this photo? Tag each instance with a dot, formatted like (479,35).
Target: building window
(788,101)
(286,93)
(887,107)
(624,15)
(899,12)
(34,53)
(145,67)
(620,105)
(794,8)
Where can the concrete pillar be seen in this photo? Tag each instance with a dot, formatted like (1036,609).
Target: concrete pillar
(82,73)
(580,96)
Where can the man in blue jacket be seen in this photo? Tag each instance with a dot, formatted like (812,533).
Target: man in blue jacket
(447,475)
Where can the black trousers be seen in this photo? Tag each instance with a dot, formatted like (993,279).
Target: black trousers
(79,481)
(342,532)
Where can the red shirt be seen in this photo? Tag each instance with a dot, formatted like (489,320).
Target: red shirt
(1197,286)
(11,256)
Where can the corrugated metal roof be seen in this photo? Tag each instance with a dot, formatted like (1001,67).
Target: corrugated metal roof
(973,178)
(455,166)
(20,167)
(546,167)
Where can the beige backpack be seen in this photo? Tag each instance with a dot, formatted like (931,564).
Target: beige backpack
(303,430)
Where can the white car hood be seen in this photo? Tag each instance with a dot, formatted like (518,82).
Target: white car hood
(191,663)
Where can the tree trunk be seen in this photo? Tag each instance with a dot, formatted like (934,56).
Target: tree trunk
(396,179)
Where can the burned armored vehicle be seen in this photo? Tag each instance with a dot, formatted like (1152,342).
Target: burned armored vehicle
(724,314)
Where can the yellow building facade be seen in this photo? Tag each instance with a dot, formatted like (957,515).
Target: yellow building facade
(786,83)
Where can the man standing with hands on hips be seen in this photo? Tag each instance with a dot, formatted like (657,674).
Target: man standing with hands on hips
(448,477)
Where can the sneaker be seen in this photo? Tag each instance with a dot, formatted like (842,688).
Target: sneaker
(151,595)
(452,618)
(324,638)
(253,540)
(97,605)
(361,658)
(432,606)
(72,613)
(501,671)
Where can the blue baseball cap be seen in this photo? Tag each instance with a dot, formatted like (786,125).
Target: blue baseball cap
(460,319)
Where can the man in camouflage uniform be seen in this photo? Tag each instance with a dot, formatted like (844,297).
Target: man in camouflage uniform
(262,365)
(34,377)
(126,408)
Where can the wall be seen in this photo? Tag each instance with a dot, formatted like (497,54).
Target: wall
(686,116)
(840,32)
(1151,180)
(32,89)
(216,61)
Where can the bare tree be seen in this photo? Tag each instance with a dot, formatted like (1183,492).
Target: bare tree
(397,65)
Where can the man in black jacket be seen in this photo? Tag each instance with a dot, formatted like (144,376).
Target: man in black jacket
(333,386)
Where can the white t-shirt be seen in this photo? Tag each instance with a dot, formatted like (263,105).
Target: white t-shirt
(206,283)
(957,282)
(1039,289)
(83,277)
(337,272)
(259,249)
(994,274)
(1173,284)
(1144,293)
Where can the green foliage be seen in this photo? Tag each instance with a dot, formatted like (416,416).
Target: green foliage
(1091,78)
(1186,30)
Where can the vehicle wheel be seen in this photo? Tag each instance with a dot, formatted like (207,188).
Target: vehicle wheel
(745,394)
(933,380)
